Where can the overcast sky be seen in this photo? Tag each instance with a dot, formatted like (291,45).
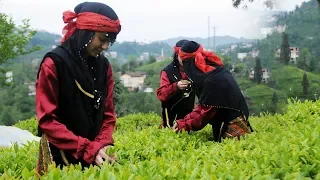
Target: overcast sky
(149,20)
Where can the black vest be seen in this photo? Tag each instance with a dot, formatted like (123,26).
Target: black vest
(219,89)
(76,110)
(177,106)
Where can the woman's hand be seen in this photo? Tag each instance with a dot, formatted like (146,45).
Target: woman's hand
(175,128)
(102,156)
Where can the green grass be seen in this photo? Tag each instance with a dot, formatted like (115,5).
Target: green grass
(289,78)
(156,67)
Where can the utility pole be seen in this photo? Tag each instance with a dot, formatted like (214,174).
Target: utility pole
(208,32)
(214,38)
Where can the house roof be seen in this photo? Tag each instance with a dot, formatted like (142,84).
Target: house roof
(135,74)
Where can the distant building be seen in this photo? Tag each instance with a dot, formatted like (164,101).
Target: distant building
(265,75)
(294,54)
(35,62)
(233,46)
(148,90)
(241,56)
(254,53)
(247,45)
(280,28)
(113,54)
(31,87)
(144,56)
(9,77)
(133,80)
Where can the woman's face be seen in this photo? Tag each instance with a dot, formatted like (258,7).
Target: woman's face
(99,43)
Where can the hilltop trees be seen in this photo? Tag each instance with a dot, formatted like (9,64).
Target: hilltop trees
(268,3)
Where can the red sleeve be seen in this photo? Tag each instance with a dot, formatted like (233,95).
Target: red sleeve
(166,90)
(47,108)
(109,117)
(197,119)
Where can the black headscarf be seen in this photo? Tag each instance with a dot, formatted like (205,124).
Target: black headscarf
(76,45)
(176,48)
(196,75)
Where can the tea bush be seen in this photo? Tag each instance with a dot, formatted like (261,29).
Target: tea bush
(282,147)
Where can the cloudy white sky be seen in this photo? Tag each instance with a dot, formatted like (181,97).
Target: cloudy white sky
(149,20)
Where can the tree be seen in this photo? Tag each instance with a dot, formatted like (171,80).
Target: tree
(274,105)
(303,59)
(313,64)
(115,65)
(118,89)
(7,119)
(285,49)
(227,62)
(239,68)
(305,84)
(258,71)
(14,40)
(268,3)
(151,60)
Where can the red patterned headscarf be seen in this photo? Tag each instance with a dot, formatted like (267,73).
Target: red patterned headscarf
(188,50)
(88,21)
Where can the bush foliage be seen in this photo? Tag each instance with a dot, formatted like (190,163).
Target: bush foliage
(282,147)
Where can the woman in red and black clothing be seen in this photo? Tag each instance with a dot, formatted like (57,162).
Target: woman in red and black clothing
(74,90)
(221,102)
(176,96)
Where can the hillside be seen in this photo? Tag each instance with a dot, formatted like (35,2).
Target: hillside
(302,27)
(125,49)
(259,96)
(146,152)
(220,40)
(288,79)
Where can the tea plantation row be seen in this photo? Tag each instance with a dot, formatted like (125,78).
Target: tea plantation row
(282,147)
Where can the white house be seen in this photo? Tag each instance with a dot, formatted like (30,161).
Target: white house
(254,53)
(265,75)
(31,87)
(144,56)
(133,80)
(280,28)
(294,54)
(148,90)
(233,46)
(113,54)
(9,77)
(241,56)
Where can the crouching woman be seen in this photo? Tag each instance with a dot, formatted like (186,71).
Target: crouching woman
(221,102)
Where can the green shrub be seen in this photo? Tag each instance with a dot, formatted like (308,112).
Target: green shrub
(282,147)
